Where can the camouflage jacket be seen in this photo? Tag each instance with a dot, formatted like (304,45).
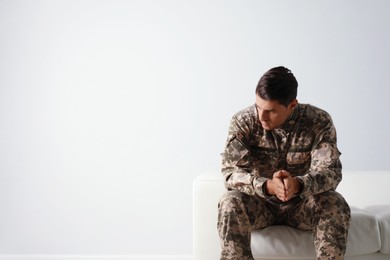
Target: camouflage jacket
(305,145)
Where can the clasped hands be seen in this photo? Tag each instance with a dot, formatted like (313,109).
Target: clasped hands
(283,185)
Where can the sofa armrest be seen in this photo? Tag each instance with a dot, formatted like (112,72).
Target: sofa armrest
(382,213)
(207,190)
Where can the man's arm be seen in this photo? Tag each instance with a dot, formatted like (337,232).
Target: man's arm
(325,169)
(236,160)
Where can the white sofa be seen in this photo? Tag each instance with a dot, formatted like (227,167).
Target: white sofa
(367,192)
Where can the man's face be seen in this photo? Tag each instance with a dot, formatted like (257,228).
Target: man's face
(272,114)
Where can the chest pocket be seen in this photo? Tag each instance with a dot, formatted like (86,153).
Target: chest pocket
(298,163)
(295,158)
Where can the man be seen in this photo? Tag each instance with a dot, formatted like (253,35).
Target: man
(281,166)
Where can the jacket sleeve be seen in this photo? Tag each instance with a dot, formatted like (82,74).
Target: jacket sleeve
(236,159)
(325,168)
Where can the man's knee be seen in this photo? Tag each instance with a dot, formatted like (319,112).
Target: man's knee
(332,204)
(231,202)
(233,221)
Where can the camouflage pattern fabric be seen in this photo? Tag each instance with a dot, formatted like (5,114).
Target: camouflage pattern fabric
(306,146)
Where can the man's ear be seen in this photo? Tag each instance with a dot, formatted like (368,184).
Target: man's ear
(294,103)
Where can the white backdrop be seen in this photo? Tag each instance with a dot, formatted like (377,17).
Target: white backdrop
(109,109)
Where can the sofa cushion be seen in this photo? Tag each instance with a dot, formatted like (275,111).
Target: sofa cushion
(382,213)
(283,241)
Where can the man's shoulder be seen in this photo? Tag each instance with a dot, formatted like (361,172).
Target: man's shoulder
(315,116)
(315,113)
(245,119)
(246,113)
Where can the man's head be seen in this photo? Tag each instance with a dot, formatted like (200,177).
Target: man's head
(276,95)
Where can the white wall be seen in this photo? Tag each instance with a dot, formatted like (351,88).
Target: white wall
(109,109)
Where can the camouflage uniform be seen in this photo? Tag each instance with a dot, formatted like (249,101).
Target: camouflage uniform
(305,145)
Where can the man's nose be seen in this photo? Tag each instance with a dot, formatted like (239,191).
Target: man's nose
(263,116)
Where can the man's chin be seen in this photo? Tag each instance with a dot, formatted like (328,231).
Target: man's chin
(267,127)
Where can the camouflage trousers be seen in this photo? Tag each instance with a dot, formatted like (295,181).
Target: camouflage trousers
(326,214)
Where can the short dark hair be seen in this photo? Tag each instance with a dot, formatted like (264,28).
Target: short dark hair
(279,84)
